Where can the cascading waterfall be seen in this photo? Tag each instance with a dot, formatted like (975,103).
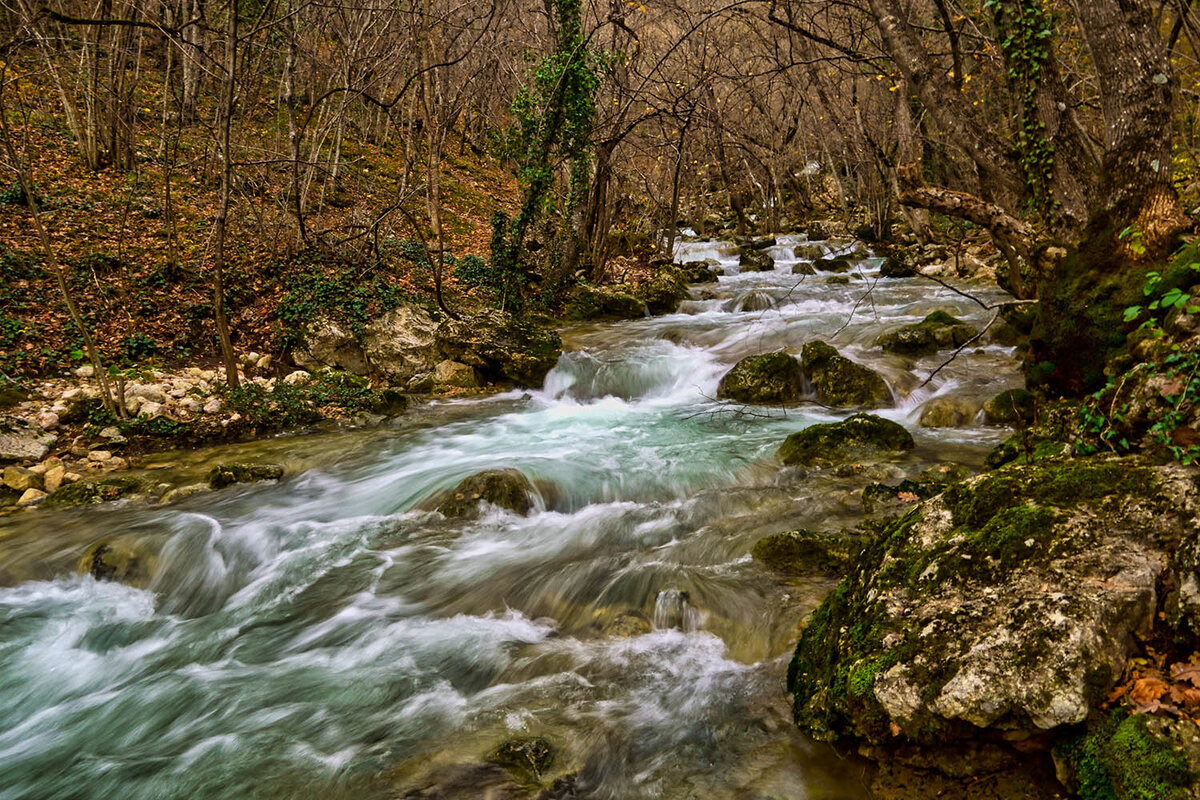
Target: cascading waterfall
(327,637)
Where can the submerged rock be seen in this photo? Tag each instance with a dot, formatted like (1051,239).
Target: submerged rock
(527,760)
(764,379)
(1006,605)
(858,437)
(223,475)
(938,331)
(626,624)
(505,488)
(118,559)
(840,382)
(805,552)
(753,300)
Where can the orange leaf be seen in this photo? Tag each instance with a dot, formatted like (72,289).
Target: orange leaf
(1146,690)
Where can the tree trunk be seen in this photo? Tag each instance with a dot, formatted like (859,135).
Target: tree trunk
(224,126)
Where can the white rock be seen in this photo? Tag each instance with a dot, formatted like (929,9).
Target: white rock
(150,409)
(132,404)
(212,406)
(47,420)
(86,371)
(71,394)
(299,376)
(264,362)
(99,456)
(31,497)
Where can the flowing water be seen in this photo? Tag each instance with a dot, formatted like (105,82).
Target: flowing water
(324,637)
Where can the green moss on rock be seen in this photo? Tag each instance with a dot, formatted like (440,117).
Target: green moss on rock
(938,331)
(769,378)
(840,382)
(1128,758)
(805,552)
(505,488)
(223,475)
(1010,407)
(860,436)
(91,492)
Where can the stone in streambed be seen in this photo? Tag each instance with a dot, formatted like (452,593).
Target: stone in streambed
(862,436)
(805,552)
(753,260)
(949,411)
(120,560)
(769,378)
(840,382)
(527,759)
(223,475)
(938,331)
(1010,407)
(505,488)
(105,490)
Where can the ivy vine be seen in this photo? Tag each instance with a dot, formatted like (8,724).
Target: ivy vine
(1025,32)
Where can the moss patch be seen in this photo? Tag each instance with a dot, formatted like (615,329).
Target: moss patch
(766,378)
(859,436)
(1122,758)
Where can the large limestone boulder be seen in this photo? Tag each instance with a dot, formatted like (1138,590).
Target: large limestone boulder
(23,441)
(938,331)
(393,347)
(1000,610)
(840,382)
(501,347)
(505,488)
(862,436)
(770,378)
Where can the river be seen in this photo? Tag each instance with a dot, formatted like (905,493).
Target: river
(322,638)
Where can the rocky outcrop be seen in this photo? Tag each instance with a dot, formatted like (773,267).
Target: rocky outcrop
(770,378)
(504,488)
(996,612)
(841,383)
(394,347)
(501,347)
(223,475)
(938,331)
(862,436)
(591,302)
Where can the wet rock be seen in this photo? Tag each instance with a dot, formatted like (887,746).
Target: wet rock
(840,382)
(1010,407)
(590,302)
(223,475)
(898,265)
(938,331)
(764,379)
(862,436)
(752,260)
(877,497)
(1001,609)
(699,271)
(805,552)
(82,493)
(502,348)
(21,441)
(388,402)
(949,411)
(451,373)
(808,251)
(120,560)
(527,760)
(803,268)
(838,280)
(19,479)
(753,300)
(834,264)
(505,488)
(183,492)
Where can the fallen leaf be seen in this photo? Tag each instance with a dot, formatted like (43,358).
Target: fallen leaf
(1146,690)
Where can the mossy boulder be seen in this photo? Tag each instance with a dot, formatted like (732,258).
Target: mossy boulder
(223,475)
(663,293)
(1132,757)
(898,265)
(626,624)
(862,436)
(699,271)
(754,260)
(840,382)
(770,378)
(834,264)
(809,251)
(838,280)
(1010,407)
(1001,609)
(590,302)
(84,493)
(938,331)
(805,552)
(502,348)
(803,268)
(505,488)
